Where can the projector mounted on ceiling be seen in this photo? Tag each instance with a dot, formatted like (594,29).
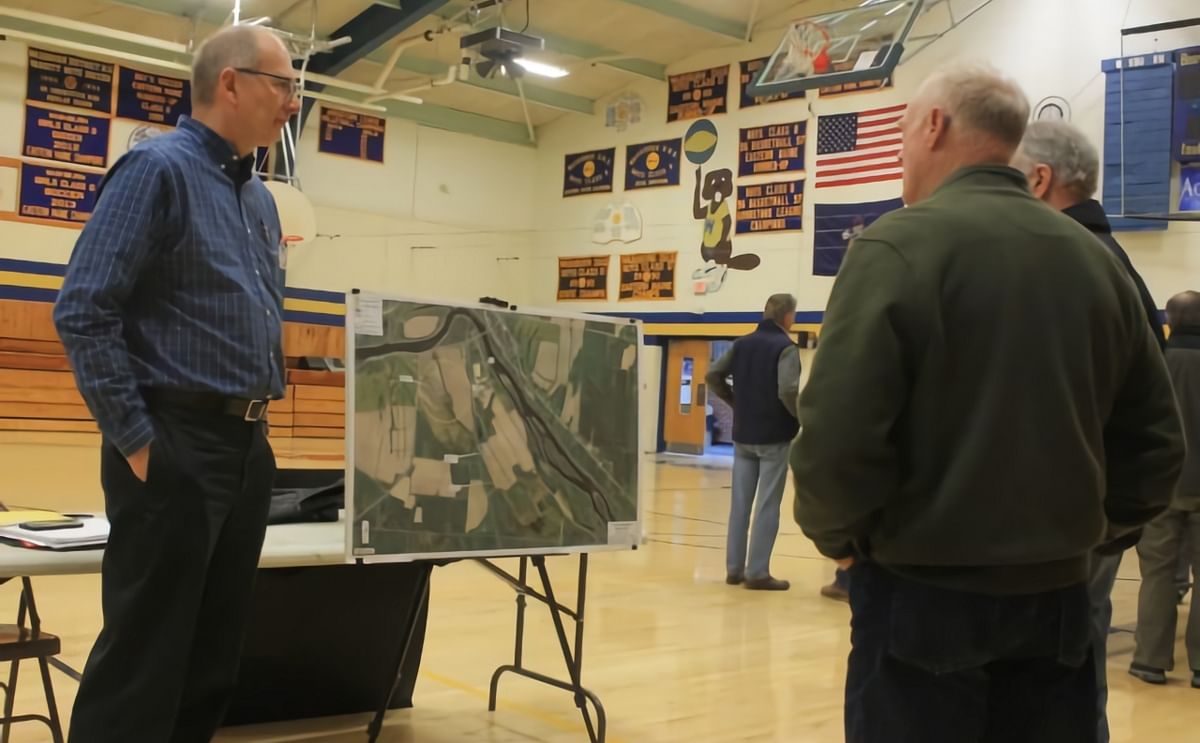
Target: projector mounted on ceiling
(504,52)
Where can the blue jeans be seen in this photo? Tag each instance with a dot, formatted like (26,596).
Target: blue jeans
(1100,586)
(760,469)
(930,665)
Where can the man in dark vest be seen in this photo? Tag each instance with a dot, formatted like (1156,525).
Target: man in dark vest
(765,369)
(1063,170)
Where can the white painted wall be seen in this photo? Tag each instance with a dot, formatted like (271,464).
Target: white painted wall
(1051,47)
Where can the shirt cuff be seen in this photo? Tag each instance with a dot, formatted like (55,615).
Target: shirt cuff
(135,437)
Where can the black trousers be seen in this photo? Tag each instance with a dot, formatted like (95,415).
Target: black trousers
(930,665)
(177,581)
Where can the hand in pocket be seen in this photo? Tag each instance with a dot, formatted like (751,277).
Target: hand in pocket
(139,462)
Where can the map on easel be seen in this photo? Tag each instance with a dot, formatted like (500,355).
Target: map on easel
(476,431)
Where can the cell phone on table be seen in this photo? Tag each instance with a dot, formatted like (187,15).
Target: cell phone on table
(51,525)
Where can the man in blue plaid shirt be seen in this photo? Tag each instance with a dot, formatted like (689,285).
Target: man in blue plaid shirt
(170,315)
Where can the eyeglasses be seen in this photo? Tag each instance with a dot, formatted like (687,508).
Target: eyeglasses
(292,88)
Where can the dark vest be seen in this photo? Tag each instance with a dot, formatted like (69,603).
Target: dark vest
(758,415)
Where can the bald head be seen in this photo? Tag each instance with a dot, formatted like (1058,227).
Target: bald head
(1183,311)
(232,47)
(962,116)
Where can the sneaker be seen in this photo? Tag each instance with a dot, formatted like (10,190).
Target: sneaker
(835,592)
(734,579)
(767,584)
(1156,676)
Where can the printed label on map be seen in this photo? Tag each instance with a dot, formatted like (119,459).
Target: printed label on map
(623,532)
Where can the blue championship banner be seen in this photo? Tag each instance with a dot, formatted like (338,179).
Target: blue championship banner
(589,172)
(351,134)
(652,164)
(155,99)
(77,139)
(694,95)
(751,69)
(1187,106)
(1189,188)
(772,149)
(583,278)
(57,194)
(837,226)
(770,207)
(68,80)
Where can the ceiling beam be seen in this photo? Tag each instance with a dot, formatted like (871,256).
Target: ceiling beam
(461,122)
(375,26)
(582,49)
(678,11)
(536,94)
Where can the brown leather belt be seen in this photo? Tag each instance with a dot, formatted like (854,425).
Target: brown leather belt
(251,411)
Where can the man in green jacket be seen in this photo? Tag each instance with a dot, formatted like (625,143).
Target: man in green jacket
(987,405)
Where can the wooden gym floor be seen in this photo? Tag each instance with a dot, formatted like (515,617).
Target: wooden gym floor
(674,653)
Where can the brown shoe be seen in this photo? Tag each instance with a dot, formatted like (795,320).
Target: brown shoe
(835,592)
(767,584)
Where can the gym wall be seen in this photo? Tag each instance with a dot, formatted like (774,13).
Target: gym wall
(1050,48)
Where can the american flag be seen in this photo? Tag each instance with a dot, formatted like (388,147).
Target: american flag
(858,148)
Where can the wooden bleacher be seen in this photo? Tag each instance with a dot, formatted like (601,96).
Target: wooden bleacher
(37,387)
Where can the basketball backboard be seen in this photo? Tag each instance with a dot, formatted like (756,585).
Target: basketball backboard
(850,46)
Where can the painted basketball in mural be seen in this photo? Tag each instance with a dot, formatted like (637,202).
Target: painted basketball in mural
(700,142)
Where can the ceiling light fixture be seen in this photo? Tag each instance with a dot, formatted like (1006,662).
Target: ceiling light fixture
(540,68)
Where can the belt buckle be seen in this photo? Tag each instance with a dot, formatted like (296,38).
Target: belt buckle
(256,410)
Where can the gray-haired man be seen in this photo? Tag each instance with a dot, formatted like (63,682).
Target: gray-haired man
(1063,170)
(765,367)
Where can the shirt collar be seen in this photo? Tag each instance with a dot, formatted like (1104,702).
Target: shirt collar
(219,150)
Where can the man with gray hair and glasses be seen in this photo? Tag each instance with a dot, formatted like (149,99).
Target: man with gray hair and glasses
(765,368)
(170,315)
(1063,170)
(987,406)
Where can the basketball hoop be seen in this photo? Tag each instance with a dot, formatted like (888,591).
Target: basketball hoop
(285,249)
(807,50)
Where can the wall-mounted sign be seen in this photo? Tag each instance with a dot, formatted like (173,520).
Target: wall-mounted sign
(647,277)
(73,138)
(58,194)
(772,149)
(583,277)
(652,164)
(1186,139)
(351,134)
(155,99)
(693,95)
(68,80)
(770,207)
(1189,189)
(589,172)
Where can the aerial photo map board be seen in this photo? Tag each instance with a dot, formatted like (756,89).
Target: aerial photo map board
(474,431)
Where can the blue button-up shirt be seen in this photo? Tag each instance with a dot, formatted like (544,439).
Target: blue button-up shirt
(175,283)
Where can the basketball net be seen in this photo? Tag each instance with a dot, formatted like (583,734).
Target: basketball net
(807,51)
(286,248)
